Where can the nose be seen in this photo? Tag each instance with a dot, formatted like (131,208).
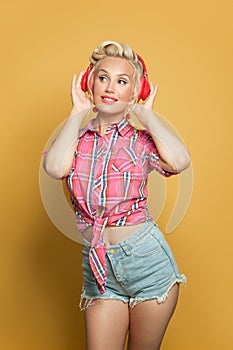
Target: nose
(109,86)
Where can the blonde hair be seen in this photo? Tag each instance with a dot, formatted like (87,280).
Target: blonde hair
(115,49)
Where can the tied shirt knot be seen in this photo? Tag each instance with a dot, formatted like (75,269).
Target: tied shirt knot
(97,253)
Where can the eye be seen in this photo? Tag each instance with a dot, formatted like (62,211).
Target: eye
(103,78)
(122,81)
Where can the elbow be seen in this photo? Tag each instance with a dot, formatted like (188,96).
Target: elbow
(52,171)
(183,162)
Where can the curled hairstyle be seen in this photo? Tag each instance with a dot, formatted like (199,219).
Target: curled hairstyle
(115,49)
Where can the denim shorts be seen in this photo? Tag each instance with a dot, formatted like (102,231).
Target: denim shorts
(140,268)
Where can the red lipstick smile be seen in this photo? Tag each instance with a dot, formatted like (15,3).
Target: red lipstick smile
(108,99)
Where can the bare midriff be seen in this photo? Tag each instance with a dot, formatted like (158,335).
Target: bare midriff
(113,234)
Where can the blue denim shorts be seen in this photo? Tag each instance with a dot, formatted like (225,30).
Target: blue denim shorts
(140,268)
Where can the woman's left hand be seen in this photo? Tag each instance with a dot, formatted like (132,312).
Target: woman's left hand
(146,105)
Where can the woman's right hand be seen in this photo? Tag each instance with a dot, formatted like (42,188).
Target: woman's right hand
(79,99)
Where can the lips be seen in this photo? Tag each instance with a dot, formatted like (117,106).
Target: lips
(108,99)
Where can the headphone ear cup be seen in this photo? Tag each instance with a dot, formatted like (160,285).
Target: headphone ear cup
(145,89)
(91,82)
(140,95)
(145,85)
(84,82)
(84,79)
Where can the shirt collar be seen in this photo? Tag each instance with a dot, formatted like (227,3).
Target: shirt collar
(123,127)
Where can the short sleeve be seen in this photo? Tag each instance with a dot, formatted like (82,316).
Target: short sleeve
(152,155)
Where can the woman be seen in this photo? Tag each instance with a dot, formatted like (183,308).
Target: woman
(131,279)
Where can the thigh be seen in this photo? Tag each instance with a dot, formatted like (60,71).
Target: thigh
(106,323)
(149,320)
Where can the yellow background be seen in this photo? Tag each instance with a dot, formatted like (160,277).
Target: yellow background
(187,46)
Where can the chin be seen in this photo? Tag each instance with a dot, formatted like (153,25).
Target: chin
(115,108)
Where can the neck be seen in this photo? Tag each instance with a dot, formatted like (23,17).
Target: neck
(102,121)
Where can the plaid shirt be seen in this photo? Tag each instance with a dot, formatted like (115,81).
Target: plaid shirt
(107,183)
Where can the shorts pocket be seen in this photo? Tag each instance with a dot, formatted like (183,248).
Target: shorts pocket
(146,246)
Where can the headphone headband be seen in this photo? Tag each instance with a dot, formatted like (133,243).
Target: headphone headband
(143,64)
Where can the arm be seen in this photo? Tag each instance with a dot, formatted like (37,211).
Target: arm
(58,160)
(174,157)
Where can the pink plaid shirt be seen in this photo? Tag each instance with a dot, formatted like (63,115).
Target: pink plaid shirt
(108,183)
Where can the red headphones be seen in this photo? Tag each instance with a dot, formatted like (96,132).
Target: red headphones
(145,89)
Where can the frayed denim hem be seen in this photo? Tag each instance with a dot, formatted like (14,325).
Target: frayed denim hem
(87,301)
(160,299)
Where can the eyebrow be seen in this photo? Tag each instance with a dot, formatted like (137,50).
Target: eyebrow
(119,75)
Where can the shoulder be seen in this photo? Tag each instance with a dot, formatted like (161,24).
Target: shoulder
(86,129)
(137,130)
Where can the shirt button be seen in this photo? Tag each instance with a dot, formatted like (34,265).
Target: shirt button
(112,251)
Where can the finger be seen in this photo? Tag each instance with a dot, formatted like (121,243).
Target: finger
(80,77)
(74,82)
(78,82)
(151,87)
(153,92)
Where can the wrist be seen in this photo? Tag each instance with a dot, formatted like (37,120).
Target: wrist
(145,115)
(77,112)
